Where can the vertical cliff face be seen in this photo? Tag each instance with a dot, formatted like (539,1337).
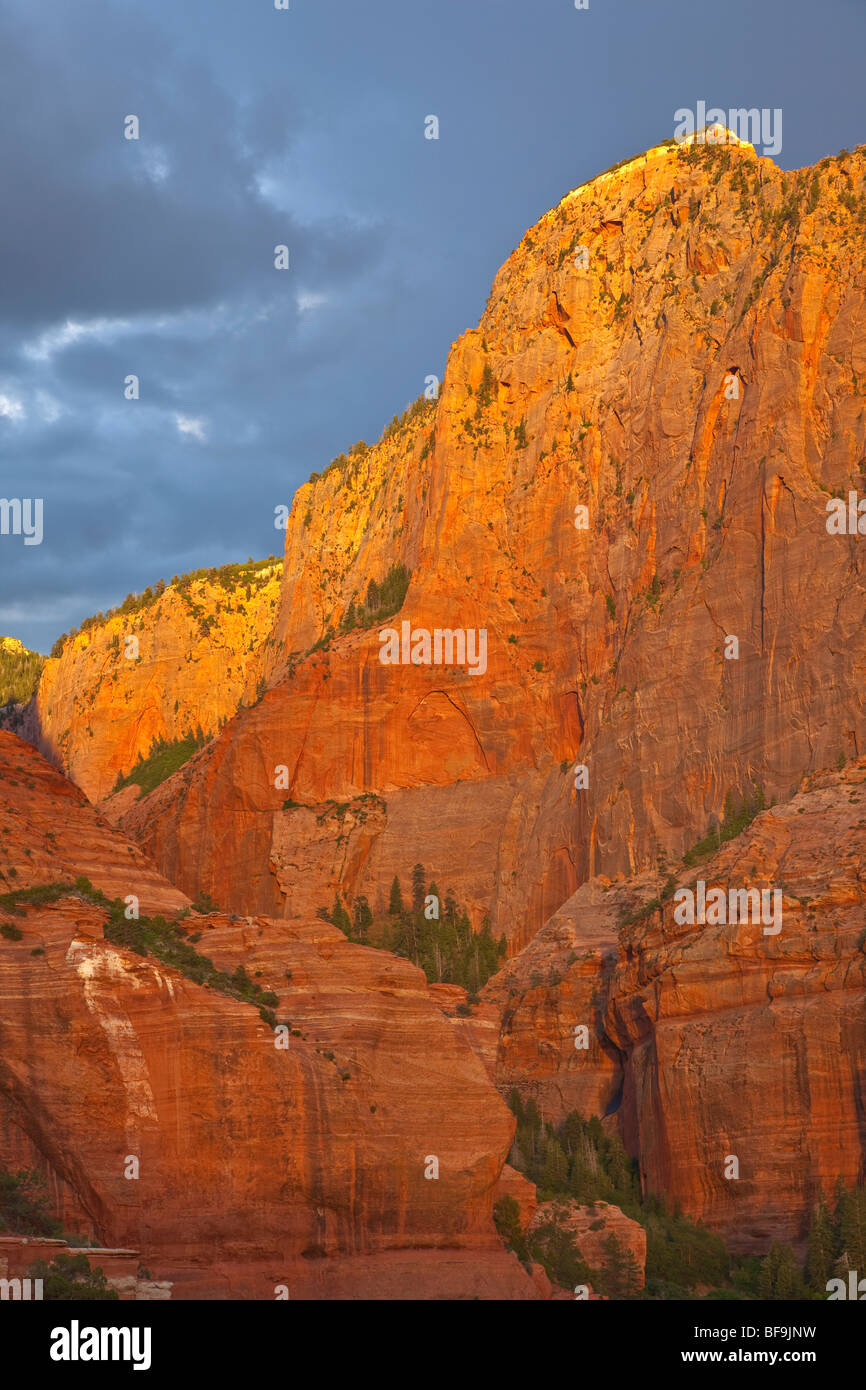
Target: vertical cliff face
(748,1040)
(678,349)
(624,483)
(187,659)
(714,1040)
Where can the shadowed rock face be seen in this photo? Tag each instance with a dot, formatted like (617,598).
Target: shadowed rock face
(698,388)
(258,1165)
(715,1040)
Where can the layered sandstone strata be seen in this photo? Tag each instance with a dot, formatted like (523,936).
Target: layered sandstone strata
(716,1040)
(360,1160)
(694,381)
(50,832)
(186,662)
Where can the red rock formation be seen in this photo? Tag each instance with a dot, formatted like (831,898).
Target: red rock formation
(709,1041)
(697,388)
(202,652)
(122,1268)
(752,1045)
(259,1165)
(699,392)
(592,1227)
(521,1190)
(49,832)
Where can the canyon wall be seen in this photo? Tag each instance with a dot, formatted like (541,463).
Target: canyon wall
(679,348)
(708,1041)
(200,653)
(259,1165)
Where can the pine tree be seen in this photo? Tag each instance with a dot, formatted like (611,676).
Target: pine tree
(532,1126)
(395,902)
(506,1218)
(554,1173)
(363,919)
(632,1280)
(780,1277)
(619,1169)
(515,1105)
(614,1274)
(852,1228)
(418,888)
(821,1247)
(340,917)
(572,1131)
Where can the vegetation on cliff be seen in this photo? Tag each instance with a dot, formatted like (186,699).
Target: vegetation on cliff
(23,1204)
(24,1209)
(737,818)
(70,1279)
(381,600)
(445,947)
(20,670)
(227,577)
(578,1159)
(164,759)
(348,464)
(166,941)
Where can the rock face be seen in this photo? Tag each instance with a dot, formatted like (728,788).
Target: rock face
(49,832)
(201,653)
(624,484)
(513,1184)
(20,671)
(122,1268)
(592,1227)
(715,1040)
(359,1161)
(554,989)
(694,382)
(769,1029)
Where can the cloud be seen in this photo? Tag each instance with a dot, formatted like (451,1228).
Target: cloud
(54,340)
(11,408)
(187,424)
(308,300)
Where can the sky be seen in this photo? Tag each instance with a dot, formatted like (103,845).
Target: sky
(303,127)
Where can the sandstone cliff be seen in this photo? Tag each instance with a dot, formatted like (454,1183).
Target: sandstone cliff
(307,1166)
(185,660)
(707,1041)
(679,348)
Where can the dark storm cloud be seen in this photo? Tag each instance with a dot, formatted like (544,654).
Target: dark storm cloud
(97,225)
(153,257)
(304,128)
